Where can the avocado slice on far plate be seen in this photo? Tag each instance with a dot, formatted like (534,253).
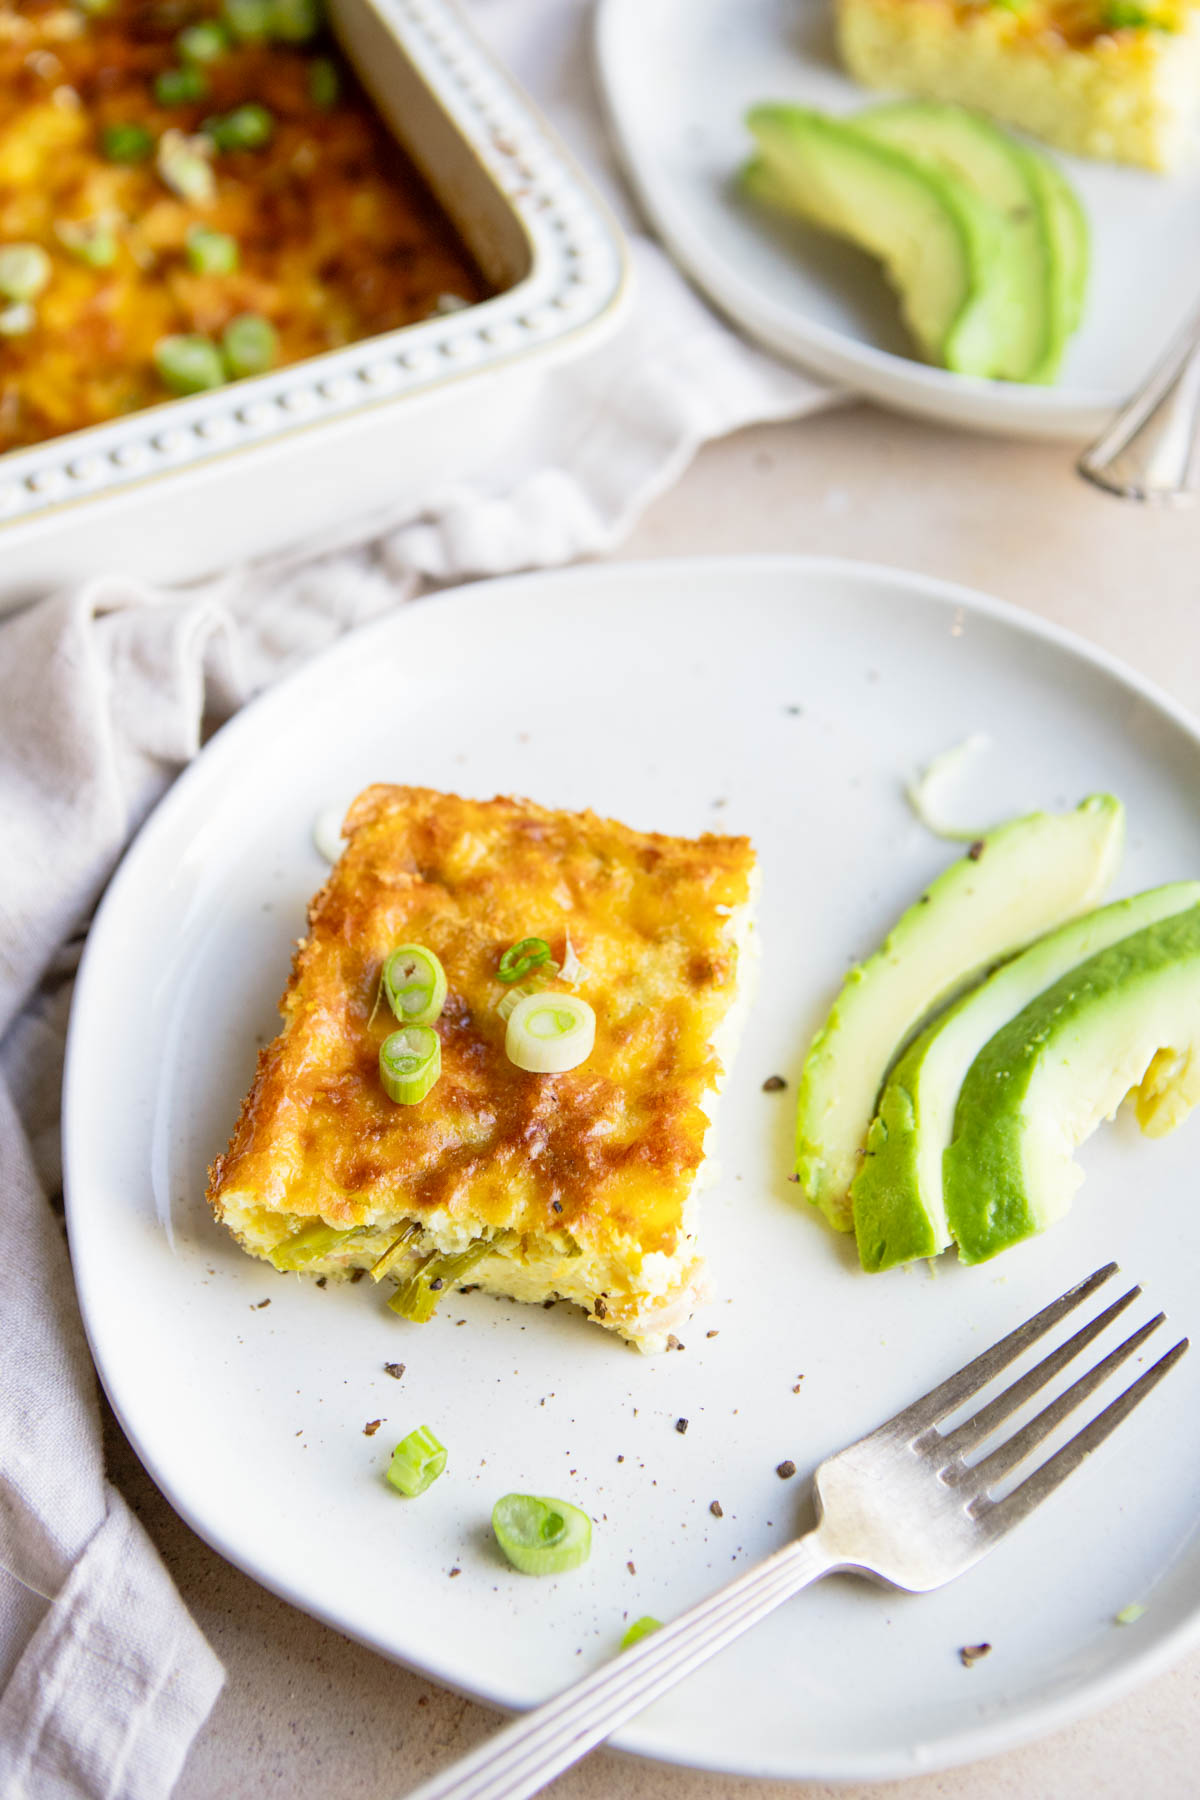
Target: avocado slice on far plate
(1070,264)
(1128,1018)
(1003,174)
(899,1207)
(1019,881)
(935,239)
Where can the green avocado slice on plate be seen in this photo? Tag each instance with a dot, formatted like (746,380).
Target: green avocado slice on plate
(899,1207)
(1127,1018)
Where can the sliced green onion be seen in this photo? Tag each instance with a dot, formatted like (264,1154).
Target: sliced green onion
(550,1033)
(573,971)
(179,87)
(511,997)
(247,127)
(92,243)
(248,19)
(324,83)
(95,9)
(250,343)
(189,364)
(519,959)
(541,1537)
(410,1061)
(205,42)
(417,1298)
(416,1463)
(415,984)
(312,1243)
(211,252)
(295,21)
(398,1247)
(24,271)
(126,143)
(182,163)
(17,320)
(643,1627)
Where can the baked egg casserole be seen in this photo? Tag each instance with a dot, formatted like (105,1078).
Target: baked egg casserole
(578,1185)
(1115,79)
(189,194)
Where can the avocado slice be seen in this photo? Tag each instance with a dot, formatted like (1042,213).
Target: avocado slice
(1003,173)
(933,237)
(1016,883)
(1066,223)
(1127,1018)
(899,1208)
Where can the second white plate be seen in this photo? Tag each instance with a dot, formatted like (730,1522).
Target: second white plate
(678,77)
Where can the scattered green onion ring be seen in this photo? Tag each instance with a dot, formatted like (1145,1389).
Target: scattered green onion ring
(126,143)
(415,984)
(184,167)
(519,959)
(248,127)
(548,1034)
(92,243)
(250,344)
(24,271)
(189,364)
(643,1627)
(416,1463)
(204,42)
(410,1061)
(324,83)
(248,19)
(541,1537)
(17,320)
(295,21)
(211,252)
(180,87)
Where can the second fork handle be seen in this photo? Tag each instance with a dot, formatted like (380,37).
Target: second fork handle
(1150,450)
(530,1752)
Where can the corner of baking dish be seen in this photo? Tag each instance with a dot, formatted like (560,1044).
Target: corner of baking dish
(576,279)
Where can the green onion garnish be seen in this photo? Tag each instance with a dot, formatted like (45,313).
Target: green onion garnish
(417,1298)
(416,1463)
(183,165)
(324,83)
(94,244)
(178,87)
(247,127)
(640,1628)
(211,252)
(295,21)
(189,364)
(541,1537)
(24,271)
(410,1061)
(248,19)
(17,320)
(398,1248)
(205,42)
(414,982)
(550,1033)
(312,1243)
(126,143)
(250,344)
(519,959)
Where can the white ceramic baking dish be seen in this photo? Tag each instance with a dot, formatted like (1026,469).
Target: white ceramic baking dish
(191,486)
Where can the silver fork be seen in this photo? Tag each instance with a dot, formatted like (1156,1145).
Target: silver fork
(902,1504)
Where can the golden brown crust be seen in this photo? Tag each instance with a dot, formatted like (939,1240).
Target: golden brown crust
(339,237)
(607,1152)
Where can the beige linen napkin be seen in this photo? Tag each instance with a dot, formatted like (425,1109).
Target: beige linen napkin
(104,696)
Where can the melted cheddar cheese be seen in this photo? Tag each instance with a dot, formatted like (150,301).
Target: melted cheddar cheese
(339,238)
(587,1174)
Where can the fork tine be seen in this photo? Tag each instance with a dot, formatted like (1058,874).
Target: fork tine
(981,1425)
(952,1392)
(1000,1516)
(1015,1449)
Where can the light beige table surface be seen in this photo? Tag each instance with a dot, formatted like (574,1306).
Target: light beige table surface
(308,1715)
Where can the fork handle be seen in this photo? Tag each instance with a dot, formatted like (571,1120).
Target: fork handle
(1149,452)
(530,1752)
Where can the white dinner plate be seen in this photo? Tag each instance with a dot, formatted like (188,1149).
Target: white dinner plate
(678,76)
(780,697)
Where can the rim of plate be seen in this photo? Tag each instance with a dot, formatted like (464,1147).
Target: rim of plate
(978,1740)
(969,401)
